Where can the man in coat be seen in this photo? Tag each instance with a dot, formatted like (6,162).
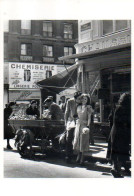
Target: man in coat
(54,109)
(70,117)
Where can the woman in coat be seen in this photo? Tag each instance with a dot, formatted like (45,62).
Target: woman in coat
(8,133)
(121,135)
(81,136)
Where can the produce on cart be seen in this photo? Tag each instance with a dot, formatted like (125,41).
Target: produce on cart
(34,134)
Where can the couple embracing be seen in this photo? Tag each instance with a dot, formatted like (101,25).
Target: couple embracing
(77,120)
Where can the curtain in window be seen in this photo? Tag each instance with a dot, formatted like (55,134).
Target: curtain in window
(47,50)
(47,29)
(68,31)
(23,49)
(68,51)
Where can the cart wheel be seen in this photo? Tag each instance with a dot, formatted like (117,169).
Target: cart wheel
(25,151)
(24,144)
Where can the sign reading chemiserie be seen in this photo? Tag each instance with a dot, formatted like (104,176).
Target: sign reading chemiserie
(26,75)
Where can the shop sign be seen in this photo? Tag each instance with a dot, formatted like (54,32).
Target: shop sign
(86,26)
(105,42)
(26,75)
(23,95)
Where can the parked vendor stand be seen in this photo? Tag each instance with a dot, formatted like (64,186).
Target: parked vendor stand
(36,133)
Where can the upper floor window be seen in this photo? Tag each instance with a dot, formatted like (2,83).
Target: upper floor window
(26,27)
(47,29)
(68,51)
(121,24)
(107,26)
(47,50)
(110,26)
(26,49)
(68,31)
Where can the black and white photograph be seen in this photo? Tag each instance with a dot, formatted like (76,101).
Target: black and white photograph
(67,87)
(85,65)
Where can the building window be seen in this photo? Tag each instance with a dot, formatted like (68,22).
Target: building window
(121,24)
(26,27)
(26,49)
(47,50)
(110,26)
(68,31)
(47,29)
(107,26)
(68,51)
(121,82)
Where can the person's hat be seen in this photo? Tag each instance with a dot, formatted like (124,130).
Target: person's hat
(48,99)
(77,94)
(33,101)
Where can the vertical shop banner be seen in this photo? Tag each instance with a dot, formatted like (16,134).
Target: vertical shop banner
(26,75)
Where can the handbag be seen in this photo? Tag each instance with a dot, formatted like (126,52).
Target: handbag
(85,130)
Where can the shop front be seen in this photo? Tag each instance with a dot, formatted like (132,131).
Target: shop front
(104,75)
(61,84)
(22,81)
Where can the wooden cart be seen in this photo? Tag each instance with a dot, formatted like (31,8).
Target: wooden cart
(31,134)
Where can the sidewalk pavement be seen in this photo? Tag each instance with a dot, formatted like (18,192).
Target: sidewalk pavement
(97,151)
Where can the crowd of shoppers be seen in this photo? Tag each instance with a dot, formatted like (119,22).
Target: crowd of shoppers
(78,115)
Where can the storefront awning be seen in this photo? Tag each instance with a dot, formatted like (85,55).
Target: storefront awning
(60,81)
(94,53)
